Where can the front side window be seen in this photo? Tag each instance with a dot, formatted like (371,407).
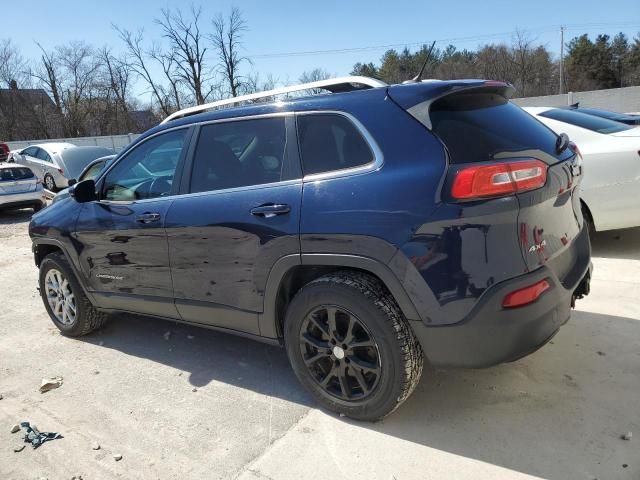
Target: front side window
(239,154)
(331,142)
(31,151)
(584,120)
(148,170)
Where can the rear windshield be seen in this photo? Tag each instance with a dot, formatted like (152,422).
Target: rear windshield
(480,127)
(590,122)
(15,173)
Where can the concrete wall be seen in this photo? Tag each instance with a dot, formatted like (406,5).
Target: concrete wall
(616,99)
(117,142)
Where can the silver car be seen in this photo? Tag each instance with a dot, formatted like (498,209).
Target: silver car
(20,188)
(56,163)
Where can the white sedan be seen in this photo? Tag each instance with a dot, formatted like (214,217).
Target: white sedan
(610,190)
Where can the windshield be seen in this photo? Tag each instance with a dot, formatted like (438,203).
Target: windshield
(590,122)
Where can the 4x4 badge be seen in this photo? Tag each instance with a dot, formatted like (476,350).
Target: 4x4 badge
(537,246)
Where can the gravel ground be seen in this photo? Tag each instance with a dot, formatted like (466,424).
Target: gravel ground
(208,405)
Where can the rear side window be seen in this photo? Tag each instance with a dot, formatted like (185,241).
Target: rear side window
(331,142)
(479,127)
(584,120)
(15,173)
(239,154)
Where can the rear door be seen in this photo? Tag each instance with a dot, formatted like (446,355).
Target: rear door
(240,215)
(121,237)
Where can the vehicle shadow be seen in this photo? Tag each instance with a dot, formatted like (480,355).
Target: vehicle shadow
(623,244)
(8,217)
(557,414)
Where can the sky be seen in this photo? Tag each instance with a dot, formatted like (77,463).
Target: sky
(291,27)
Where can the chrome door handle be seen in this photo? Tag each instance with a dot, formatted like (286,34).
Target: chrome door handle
(148,218)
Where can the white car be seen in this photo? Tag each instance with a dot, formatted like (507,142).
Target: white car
(57,163)
(610,189)
(44,160)
(20,188)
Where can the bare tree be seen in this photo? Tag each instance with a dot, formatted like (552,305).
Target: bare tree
(314,75)
(13,66)
(138,60)
(187,49)
(522,58)
(227,41)
(117,79)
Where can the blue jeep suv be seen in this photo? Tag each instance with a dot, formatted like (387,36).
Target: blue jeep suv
(364,230)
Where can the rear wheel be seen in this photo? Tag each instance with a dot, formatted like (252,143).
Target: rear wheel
(49,183)
(65,301)
(350,346)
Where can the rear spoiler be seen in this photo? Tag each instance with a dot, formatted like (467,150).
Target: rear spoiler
(417,98)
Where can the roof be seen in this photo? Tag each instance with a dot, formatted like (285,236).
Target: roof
(54,147)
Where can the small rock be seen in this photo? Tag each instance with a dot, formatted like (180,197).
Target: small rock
(117,457)
(96,372)
(15,428)
(95,446)
(602,354)
(194,389)
(1,397)
(626,436)
(19,448)
(190,337)
(76,477)
(167,335)
(50,383)
(624,465)
(179,374)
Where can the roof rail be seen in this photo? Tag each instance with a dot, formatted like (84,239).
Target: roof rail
(341,84)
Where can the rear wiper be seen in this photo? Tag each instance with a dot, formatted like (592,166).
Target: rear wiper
(562,143)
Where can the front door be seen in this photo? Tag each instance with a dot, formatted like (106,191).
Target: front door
(123,244)
(240,215)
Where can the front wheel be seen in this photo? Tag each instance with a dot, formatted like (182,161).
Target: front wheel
(351,347)
(65,301)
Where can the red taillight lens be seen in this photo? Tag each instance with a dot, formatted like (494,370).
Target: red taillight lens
(499,179)
(526,295)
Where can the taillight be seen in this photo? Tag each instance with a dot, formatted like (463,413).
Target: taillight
(499,179)
(526,295)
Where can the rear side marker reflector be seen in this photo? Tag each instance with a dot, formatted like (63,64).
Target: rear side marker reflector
(526,295)
(499,179)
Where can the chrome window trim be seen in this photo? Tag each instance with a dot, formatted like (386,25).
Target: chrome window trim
(375,164)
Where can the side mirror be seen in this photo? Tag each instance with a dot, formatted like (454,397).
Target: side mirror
(84,191)
(72,181)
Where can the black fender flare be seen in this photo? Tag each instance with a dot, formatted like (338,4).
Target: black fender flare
(57,243)
(268,320)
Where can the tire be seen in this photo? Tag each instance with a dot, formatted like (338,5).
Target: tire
(37,207)
(87,318)
(49,183)
(382,364)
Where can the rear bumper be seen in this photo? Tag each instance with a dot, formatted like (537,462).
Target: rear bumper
(492,334)
(18,200)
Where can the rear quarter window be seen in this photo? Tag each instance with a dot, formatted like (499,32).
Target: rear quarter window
(330,142)
(479,127)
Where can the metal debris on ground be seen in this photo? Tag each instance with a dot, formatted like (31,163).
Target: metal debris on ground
(50,383)
(35,437)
